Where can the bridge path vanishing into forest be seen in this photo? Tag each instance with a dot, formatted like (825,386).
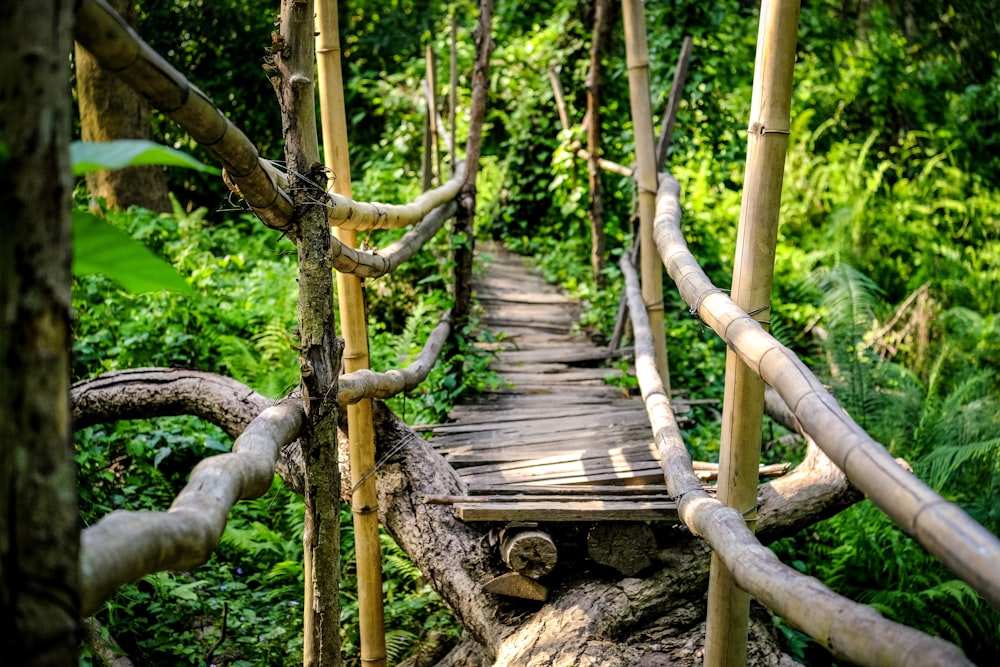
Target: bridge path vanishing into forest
(555,442)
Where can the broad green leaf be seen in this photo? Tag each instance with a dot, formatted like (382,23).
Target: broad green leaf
(100,247)
(87,157)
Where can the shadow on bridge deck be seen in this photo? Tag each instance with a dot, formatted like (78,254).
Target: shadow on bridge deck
(556,442)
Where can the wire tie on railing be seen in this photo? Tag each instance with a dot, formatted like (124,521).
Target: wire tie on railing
(677,498)
(695,309)
(759,311)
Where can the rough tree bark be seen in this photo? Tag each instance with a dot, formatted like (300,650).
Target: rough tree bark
(319,349)
(593,617)
(602,22)
(110,109)
(39,524)
(464,220)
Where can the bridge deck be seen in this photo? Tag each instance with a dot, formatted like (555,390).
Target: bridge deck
(556,442)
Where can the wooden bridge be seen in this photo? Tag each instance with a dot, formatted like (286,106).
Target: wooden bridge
(555,442)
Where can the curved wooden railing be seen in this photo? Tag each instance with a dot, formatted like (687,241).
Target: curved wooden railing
(185,534)
(942,528)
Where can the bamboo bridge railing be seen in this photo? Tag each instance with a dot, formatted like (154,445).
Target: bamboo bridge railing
(188,531)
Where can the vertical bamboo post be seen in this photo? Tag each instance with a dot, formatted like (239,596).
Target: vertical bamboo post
(673,103)
(637,60)
(453,91)
(435,156)
(742,414)
(364,502)
(427,168)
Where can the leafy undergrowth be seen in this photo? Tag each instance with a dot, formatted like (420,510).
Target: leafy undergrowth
(243,607)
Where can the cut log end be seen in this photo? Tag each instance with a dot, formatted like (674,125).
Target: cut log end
(528,551)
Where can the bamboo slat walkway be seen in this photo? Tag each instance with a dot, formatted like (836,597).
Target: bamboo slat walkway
(556,442)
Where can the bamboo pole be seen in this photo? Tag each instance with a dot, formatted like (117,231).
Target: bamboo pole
(453,91)
(743,407)
(432,112)
(940,527)
(560,100)
(368,384)
(666,135)
(673,103)
(124,545)
(637,56)
(364,501)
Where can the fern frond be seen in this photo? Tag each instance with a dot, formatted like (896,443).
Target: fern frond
(398,643)
(850,299)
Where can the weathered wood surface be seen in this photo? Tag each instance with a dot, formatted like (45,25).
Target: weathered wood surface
(555,422)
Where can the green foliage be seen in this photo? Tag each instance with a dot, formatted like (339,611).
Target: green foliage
(220,47)
(102,248)
(243,607)
(99,247)
(88,157)
(241,324)
(890,186)
(862,554)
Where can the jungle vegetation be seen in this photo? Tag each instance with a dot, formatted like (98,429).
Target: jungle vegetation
(887,278)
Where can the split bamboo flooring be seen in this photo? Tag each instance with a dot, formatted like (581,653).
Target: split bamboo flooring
(556,442)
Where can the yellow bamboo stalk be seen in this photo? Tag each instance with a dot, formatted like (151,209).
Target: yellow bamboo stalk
(637,59)
(743,407)
(364,502)
(453,91)
(435,153)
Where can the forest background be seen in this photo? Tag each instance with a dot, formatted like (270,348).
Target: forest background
(887,277)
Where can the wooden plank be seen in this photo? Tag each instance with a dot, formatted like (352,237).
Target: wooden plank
(532,456)
(600,438)
(575,419)
(579,492)
(632,478)
(592,510)
(573,496)
(515,408)
(567,355)
(608,473)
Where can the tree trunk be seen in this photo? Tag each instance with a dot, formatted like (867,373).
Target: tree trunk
(110,109)
(464,221)
(39,524)
(602,11)
(319,349)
